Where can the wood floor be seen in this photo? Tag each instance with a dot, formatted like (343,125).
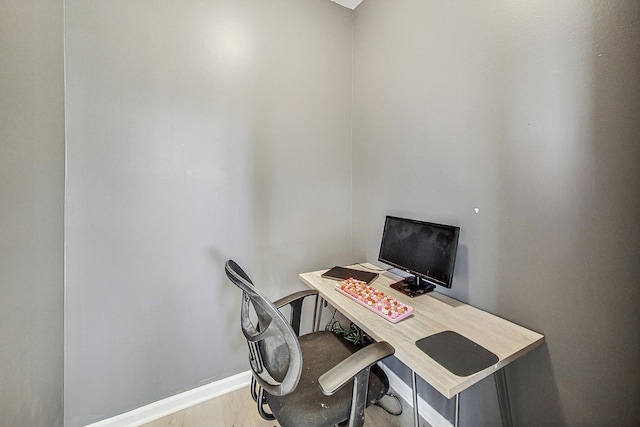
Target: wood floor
(237,409)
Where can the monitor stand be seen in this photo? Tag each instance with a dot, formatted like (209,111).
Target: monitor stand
(413,286)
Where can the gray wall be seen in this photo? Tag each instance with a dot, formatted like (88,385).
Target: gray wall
(31,212)
(528,111)
(196,132)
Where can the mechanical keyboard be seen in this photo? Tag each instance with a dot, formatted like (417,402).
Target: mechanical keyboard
(375,300)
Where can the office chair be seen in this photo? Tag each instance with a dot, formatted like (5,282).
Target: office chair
(317,379)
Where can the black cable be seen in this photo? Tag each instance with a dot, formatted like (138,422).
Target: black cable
(352,334)
(375,268)
(387,409)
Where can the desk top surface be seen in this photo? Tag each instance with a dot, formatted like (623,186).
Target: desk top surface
(432,313)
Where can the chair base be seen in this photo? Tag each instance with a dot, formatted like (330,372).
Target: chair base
(307,405)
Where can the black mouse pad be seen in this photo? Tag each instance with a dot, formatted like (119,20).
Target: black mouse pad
(342,273)
(458,354)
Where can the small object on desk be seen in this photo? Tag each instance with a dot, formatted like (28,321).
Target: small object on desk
(457,353)
(342,273)
(377,301)
(409,287)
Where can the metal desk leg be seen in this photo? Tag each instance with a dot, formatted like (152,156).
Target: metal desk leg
(416,415)
(414,386)
(503,398)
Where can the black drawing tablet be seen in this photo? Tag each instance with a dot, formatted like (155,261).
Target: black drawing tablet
(458,354)
(342,273)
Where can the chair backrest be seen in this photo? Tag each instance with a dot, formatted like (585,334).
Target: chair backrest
(274,352)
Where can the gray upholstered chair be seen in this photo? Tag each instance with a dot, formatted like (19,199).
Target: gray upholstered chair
(317,379)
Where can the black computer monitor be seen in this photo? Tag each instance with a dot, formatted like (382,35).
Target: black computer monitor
(424,249)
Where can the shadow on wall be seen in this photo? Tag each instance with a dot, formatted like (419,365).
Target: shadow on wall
(228,308)
(535,372)
(569,240)
(461,274)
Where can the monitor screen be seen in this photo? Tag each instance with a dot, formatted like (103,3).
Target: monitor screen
(424,249)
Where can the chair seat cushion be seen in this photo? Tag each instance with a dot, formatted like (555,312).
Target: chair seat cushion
(307,405)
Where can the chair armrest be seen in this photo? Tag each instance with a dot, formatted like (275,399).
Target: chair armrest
(294,296)
(332,380)
(295,301)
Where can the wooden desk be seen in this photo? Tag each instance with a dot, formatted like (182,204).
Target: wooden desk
(433,313)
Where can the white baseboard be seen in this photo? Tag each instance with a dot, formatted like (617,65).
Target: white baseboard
(164,407)
(178,402)
(425,410)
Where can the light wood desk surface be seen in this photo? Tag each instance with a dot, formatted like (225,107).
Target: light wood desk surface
(432,313)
